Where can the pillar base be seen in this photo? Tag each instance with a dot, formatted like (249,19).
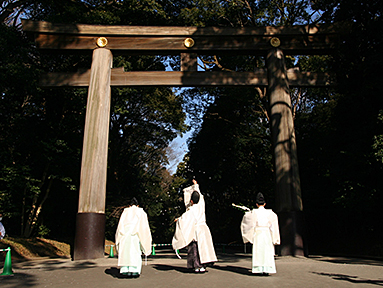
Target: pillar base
(291,227)
(90,236)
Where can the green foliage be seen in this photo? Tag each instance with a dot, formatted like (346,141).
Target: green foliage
(339,140)
(339,131)
(377,145)
(25,157)
(43,231)
(230,157)
(43,128)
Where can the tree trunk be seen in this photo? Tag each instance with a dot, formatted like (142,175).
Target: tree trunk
(34,214)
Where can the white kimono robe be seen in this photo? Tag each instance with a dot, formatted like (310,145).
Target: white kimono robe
(192,226)
(260,227)
(133,236)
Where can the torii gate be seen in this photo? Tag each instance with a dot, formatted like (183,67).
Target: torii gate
(272,42)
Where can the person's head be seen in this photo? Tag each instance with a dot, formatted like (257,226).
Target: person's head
(133,201)
(260,200)
(194,197)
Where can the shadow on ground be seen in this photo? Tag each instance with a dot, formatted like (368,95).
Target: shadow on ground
(234,269)
(115,273)
(19,280)
(163,267)
(351,279)
(348,260)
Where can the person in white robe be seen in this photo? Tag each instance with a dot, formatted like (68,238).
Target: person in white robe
(192,231)
(260,227)
(2,229)
(132,236)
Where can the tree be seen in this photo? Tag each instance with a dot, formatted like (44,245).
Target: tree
(341,177)
(46,141)
(337,129)
(33,140)
(230,156)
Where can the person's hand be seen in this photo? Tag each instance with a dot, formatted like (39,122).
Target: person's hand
(194,181)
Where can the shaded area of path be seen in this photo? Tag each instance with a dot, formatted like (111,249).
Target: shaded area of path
(166,270)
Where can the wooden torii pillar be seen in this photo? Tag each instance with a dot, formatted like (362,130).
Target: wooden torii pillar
(288,189)
(90,227)
(188,42)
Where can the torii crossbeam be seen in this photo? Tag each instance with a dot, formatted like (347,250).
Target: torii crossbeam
(272,42)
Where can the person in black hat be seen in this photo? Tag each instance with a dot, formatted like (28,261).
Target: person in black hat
(260,227)
(193,232)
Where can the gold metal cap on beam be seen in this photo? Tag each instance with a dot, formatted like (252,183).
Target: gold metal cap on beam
(275,42)
(189,42)
(102,42)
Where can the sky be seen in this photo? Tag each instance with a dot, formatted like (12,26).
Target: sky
(180,148)
(179,144)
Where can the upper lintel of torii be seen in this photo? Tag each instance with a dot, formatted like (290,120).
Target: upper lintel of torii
(169,40)
(189,42)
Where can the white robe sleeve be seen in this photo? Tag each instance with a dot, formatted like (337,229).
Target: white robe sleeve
(247,227)
(2,231)
(120,232)
(185,230)
(143,231)
(274,227)
(187,194)
(140,227)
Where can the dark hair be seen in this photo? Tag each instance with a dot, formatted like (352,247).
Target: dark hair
(133,201)
(260,200)
(195,197)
